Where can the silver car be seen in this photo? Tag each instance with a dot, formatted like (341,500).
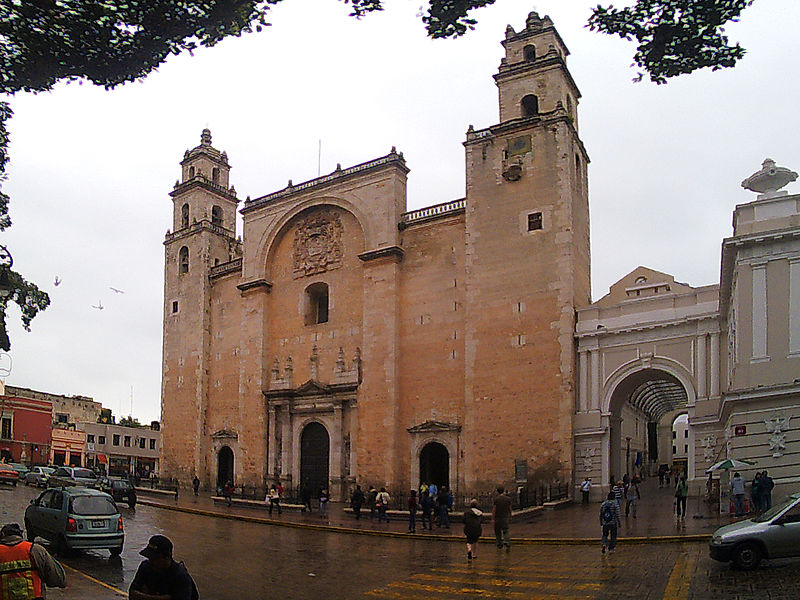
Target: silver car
(38,476)
(66,476)
(774,534)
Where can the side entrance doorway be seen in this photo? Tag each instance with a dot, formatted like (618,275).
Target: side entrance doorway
(314,457)
(224,466)
(434,464)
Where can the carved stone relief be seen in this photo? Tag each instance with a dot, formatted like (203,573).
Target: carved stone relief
(318,243)
(709,447)
(587,454)
(777,426)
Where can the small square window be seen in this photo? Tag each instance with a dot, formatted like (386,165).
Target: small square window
(686,448)
(90,438)
(152,444)
(115,441)
(534,221)
(686,433)
(674,450)
(101,439)
(127,442)
(174,307)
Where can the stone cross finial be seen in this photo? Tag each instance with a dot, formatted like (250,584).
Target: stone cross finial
(769,179)
(533,21)
(205,137)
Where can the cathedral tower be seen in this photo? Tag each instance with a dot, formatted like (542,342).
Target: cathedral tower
(203,236)
(527,265)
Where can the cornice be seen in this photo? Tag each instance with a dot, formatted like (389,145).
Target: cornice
(395,252)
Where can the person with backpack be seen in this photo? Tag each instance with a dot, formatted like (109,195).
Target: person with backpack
(160,576)
(610,522)
(382,504)
(681,494)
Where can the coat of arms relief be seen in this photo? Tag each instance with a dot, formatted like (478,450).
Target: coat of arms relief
(318,243)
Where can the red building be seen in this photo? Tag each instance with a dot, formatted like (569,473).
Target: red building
(25,426)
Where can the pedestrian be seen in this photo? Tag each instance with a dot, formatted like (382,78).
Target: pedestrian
(681,494)
(737,491)
(426,506)
(755,494)
(305,497)
(632,496)
(274,499)
(357,501)
(668,475)
(610,522)
(472,528)
(443,501)
(382,504)
(412,512)
(501,515)
(765,491)
(660,477)
(423,487)
(586,487)
(433,490)
(619,494)
(227,492)
(323,503)
(160,576)
(26,568)
(372,502)
(196,485)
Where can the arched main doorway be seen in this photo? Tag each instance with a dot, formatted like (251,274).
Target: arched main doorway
(639,403)
(224,466)
(314,457)
(434,464)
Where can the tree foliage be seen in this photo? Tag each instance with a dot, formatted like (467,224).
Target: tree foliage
(130,422)
(674,37)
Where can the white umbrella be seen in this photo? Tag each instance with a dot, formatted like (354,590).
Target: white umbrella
(728,464)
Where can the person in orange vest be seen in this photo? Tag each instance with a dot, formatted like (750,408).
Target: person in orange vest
(25,568)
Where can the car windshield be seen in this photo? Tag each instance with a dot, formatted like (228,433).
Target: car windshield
(47,470)
(92,505)
(85,474)
(774,511)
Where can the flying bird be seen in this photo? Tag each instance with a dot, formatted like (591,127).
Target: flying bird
(113,289)
(99,305)
(57,281)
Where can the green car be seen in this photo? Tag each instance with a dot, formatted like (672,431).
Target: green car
(76,518)
(773,534)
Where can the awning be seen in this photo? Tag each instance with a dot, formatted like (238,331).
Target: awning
(102,458)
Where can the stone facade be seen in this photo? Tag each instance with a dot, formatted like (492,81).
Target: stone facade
(66,409)
(344,339)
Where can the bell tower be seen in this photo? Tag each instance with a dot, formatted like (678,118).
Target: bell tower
(203,236)
(527,264)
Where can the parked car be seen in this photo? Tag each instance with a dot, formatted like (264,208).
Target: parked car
(76,518)
(19,468)
(774,534)
(38,476)
(8,475)
(66,476)
(120,489)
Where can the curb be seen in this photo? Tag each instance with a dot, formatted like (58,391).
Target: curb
(564,541)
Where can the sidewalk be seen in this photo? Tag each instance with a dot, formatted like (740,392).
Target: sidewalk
(574,523)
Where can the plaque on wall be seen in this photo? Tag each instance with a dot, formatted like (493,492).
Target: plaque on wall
(519,145)
(318,243)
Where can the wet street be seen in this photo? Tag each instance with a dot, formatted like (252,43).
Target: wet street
(231,560)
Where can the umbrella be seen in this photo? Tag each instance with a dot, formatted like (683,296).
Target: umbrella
(729,463)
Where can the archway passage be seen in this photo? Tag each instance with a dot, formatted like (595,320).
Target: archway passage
(434,464)
(314,457)
(224,466)
(639,403)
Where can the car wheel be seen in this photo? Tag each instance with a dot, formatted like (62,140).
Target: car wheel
(30,533)
(747,556)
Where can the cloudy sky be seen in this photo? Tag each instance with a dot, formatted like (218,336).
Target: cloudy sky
(91,169)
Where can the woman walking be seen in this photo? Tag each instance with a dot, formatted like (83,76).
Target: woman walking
(472,528)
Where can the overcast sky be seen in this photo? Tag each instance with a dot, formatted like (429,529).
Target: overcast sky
(91,170)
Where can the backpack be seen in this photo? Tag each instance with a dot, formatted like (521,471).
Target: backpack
(607,515)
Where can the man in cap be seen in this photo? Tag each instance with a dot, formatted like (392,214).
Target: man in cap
(159,577)
(25,568)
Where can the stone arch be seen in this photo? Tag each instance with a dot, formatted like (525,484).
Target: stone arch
(450,443)
(274,234)
(654,387)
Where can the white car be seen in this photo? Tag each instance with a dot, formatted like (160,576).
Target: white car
(773,534)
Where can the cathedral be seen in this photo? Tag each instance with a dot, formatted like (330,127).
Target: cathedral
(340,338)
(345,339)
